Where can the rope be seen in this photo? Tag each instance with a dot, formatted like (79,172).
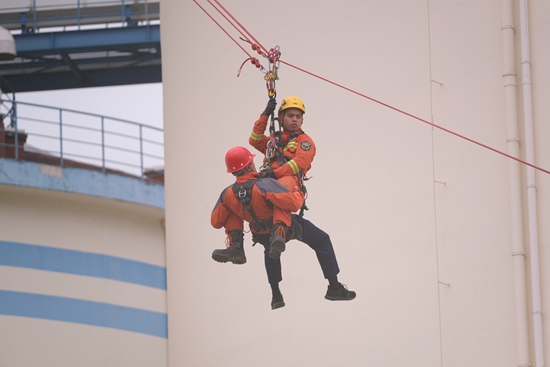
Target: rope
(218,24)
(255,47)
(417,118)
(240,25)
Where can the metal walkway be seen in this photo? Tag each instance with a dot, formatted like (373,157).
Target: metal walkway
(62,44)
(68,138)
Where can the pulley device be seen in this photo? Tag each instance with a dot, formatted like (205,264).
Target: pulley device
(271,75)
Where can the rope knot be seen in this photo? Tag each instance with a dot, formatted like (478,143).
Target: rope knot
(255,62)
(256,48)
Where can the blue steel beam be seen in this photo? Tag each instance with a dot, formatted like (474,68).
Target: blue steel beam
(92,78)
(87,40)
(83,59)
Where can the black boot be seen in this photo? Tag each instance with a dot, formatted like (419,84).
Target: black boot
(277,300)
(277,241)
(339,292)
(234,251)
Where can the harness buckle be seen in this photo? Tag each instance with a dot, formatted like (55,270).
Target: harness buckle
(242,193)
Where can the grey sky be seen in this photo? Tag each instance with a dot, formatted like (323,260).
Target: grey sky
(140,103)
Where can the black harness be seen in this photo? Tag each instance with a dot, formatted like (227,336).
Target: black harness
(243,193)
(275,149)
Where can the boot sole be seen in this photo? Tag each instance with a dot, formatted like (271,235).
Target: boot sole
(224,259)
(276,248)
(277,305)
(337,298)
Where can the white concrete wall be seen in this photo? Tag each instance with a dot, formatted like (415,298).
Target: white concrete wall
(53,314)
(420,219)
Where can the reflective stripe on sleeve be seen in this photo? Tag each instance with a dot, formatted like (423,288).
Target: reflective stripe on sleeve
(255,136)
(294,166)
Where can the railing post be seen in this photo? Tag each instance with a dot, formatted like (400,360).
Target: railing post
(103,144)
(24,28)
(34,16)
(61,137)
(16,137)
(147,12)
(14,125)
(78,13)
(14,114)
(128,15)
(141,148)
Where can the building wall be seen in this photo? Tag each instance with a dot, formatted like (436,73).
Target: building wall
(420,218)
(82,278)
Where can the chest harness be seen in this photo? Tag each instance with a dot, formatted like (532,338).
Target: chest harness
(275,150)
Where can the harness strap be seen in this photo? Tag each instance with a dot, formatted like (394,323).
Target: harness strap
(243,193)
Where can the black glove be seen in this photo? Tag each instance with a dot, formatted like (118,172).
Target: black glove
(271,104)
(268,172)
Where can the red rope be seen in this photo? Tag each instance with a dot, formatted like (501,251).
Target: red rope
(416,117)
(218,24)
(242,27)
(349,89)
(255,47)
(229,21)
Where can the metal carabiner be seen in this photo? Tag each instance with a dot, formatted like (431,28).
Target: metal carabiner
(272,148)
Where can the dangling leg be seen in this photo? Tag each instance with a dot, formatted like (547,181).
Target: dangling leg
(320,242)
(274,273)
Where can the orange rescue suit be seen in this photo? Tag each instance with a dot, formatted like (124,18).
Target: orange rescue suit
(298,149)
(229,211)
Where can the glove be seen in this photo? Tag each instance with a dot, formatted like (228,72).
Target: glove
(271,104)
(268,172)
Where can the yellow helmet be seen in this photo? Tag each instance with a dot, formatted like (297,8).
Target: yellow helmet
(292,102)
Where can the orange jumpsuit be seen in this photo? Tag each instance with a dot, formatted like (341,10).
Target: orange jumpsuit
(298,149)
(229,211)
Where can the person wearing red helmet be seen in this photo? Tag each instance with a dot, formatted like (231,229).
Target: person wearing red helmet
(269,203)
(259,201)
(291,160)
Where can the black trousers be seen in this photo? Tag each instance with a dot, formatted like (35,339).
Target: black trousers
(312,236)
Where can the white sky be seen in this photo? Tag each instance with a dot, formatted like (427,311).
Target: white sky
(140,103)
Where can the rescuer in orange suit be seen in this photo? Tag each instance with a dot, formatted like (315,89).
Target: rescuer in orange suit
(295,149)
(269,203)
(257,200)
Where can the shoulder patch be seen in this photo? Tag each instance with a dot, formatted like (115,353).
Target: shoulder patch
(305,145)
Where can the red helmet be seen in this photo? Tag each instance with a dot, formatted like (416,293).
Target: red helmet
(238,158)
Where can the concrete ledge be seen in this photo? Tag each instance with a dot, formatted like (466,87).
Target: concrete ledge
(81,181)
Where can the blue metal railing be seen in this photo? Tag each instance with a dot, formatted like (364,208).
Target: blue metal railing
(63,135)
(79,12)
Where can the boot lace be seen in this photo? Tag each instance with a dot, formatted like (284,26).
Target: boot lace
(280,231)
(228,241)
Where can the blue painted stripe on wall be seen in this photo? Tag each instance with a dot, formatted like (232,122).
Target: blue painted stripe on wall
(83,312)
(82,263)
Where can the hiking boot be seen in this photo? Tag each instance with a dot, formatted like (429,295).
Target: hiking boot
(235,249)
(277,241)
(339,293)
(277,301)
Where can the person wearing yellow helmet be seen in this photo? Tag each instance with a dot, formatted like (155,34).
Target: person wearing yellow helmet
(295,149)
